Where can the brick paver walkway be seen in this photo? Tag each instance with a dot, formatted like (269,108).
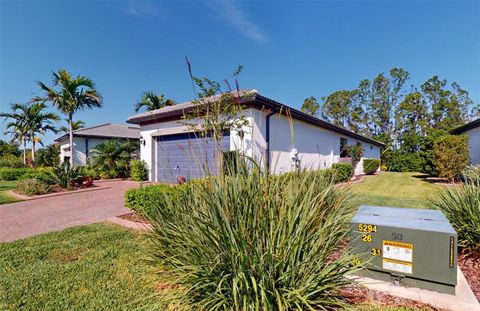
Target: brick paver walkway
(23,219)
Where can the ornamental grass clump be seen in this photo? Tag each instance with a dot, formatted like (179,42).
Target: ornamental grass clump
(461,205)
(253,242)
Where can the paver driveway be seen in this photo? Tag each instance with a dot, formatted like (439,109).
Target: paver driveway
(23,219)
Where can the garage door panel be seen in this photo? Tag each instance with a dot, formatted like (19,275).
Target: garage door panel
(187,155)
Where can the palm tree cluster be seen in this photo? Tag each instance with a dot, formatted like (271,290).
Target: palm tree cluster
(26,122)
(68,94)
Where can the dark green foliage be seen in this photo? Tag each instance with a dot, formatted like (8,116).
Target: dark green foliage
(146,199)
(461,205)
(8,149)
(451,156)
(33,186)
(251,242)
(408,120)
(112,158)
(66,176)
(48,156)
(43,174)
(10,160)
(404,162)
(370,166)
(10,173)
(343,172)
(138,170)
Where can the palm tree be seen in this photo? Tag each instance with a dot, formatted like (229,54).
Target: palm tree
(152,101)
(17,127)
(69,95)
(39,122)
(76,125)
(107,154)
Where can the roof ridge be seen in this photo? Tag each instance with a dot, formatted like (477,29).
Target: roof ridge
(91,127)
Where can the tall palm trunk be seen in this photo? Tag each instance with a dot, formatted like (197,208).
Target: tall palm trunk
(24,151)
(70,125)
(33,150)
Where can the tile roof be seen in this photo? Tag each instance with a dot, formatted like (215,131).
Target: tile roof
(177,108)
(255,99)
(107,130)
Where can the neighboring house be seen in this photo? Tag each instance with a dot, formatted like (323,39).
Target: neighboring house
(279,137)
(85,139)
(472,130)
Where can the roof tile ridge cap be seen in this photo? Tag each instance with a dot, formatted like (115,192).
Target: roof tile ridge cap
(91,127)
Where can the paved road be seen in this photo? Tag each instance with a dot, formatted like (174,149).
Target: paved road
(27,218)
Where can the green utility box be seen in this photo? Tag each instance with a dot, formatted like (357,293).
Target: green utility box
(412,247)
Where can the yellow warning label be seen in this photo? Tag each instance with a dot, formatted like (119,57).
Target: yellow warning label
(398,251)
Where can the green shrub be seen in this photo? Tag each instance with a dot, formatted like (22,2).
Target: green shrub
(43,174)
(461,206)
(89,171)
(251,242)
(143,200)
(343,172)
(66,176)
(11,160)
(10,173)
(451,156)
(33,186)
(138,170)
(401,161)
(370,166)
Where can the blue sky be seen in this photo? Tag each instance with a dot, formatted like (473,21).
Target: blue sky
(290,49)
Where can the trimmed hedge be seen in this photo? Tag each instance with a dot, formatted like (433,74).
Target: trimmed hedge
(10,173)
(370,166)
(143,200)
(343,172)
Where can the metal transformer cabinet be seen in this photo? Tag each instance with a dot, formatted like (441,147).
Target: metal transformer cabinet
(412,247)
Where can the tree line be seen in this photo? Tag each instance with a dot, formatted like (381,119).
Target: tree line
(407,118)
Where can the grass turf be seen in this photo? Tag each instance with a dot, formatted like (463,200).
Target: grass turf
(95,267)
(395,189)
(5,186)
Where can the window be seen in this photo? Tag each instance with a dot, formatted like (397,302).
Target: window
(343,147)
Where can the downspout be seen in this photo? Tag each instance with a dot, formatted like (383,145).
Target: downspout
(267,139)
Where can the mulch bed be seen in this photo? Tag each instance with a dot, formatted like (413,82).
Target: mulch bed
(471,270)
(135,218)
(357,295)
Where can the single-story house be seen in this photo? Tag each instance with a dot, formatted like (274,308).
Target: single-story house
(281,138)
(472,130)
(85,139)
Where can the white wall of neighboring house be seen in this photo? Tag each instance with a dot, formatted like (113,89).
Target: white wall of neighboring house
(80,148)
(474,144)
(317,148)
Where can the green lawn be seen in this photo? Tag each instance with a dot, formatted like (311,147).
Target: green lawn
(395,189)
(5,186)
(96,267)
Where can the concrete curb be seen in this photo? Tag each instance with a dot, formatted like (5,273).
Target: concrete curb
(130,224)
(55,194)
(463,300)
